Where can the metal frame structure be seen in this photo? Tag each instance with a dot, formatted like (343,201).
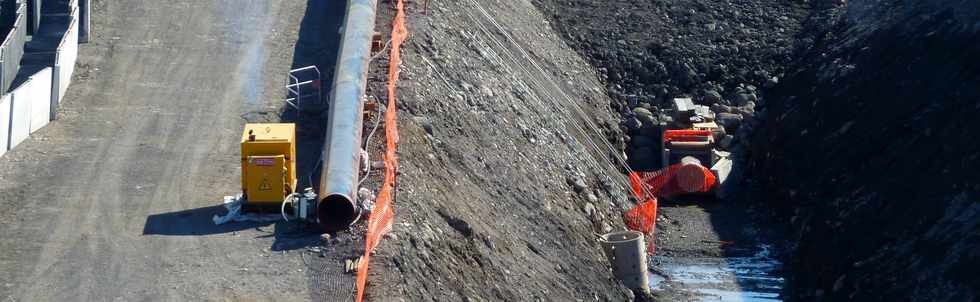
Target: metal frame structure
(294,86)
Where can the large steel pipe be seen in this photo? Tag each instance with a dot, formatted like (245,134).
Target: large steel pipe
(337,208)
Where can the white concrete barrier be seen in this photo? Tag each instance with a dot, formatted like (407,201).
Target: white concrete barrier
(64,64)
(20,120)
(12,49)
(33,104)
(37,92)
(4,124)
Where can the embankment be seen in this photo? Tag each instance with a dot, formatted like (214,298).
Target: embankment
(869,148)
(499,195)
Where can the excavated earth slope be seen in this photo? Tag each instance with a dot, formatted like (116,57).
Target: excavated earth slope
(870,149)
(499,195)
(721,53)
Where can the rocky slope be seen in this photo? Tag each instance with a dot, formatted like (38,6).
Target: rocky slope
(722,53)
(865,146)
(868,147)
(499,195)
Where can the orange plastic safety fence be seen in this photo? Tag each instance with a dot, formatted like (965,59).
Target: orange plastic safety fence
(381,220)
(674,180)
(643,217)
(664,183)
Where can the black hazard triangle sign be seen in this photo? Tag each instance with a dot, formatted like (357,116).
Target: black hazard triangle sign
(265,186)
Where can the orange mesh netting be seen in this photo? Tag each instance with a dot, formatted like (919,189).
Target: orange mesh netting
(665,183)
(381,219)
(675,180)
(643,217)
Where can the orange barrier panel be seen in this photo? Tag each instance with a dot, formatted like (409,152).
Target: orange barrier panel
(686,135)
(381,220)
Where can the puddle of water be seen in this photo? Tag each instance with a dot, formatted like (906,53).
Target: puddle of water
(728,295)
(746,279)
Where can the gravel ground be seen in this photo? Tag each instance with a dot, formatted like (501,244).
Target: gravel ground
(501,192)
(113,200)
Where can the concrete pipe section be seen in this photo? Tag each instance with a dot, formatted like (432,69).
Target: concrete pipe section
(690,176)
(626,252)
(337,208)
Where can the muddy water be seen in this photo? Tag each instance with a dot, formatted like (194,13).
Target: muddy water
(749,279)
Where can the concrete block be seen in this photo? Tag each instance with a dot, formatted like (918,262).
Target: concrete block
(683,105)
(64,64)
(20,120)
(38,91)
(683,110)
(4,124)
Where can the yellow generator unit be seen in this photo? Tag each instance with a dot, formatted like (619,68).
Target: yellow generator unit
(268,164)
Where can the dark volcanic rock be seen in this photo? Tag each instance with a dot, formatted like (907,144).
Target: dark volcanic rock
(654,51)
(711,97)
(870,147)
(730,121)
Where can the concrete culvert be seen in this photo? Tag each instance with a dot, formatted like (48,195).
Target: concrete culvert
(627,255)
(690,177)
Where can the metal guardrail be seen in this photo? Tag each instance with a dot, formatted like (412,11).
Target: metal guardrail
(298,97)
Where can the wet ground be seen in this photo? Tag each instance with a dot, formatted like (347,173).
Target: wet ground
(710,250)
(754,278)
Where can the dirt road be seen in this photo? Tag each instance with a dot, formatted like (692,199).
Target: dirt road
(113,200)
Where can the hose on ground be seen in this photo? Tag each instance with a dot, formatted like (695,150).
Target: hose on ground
(288,199)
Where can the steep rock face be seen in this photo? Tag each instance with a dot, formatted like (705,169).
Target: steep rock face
(869,146)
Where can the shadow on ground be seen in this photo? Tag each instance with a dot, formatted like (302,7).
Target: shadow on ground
(194,222)
(317,45)
(289,235)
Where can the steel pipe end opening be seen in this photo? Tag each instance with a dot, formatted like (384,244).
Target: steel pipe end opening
(336,212)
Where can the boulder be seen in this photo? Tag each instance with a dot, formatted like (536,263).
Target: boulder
(721,108)
(644,115)
(730,121)
(711,97)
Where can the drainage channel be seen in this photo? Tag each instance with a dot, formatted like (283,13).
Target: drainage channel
(753,278)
